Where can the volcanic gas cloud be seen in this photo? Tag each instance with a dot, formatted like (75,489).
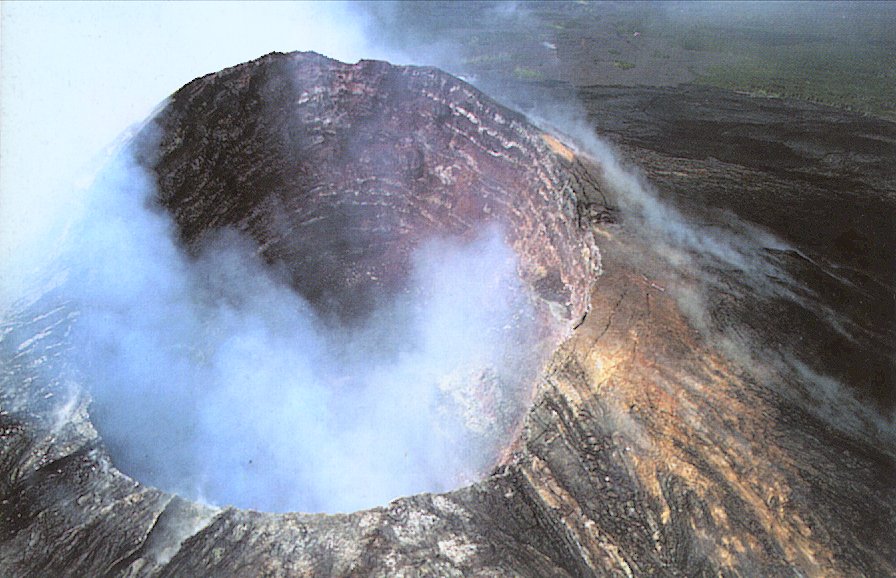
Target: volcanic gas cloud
(306,285)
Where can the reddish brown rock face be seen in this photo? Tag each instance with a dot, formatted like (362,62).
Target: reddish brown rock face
(340,171)
(356,184)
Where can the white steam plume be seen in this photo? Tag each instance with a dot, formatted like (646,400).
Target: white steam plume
(75,75)
(700,254)
(214,379)
(206,372)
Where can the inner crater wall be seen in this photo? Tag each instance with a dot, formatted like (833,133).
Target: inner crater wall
(339,171)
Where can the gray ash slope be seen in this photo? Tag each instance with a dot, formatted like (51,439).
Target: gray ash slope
(647,450)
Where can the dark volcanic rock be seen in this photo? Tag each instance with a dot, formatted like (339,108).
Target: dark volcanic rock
(339,171)
(648,451)
(715,153)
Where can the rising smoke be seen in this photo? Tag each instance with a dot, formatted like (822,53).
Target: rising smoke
(211,377)
(208,375)
(731,257)
(738,260)
(187,337)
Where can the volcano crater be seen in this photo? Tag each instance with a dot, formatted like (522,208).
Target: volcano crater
(432,235)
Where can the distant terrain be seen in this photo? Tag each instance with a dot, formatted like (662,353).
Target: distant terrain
(841,54)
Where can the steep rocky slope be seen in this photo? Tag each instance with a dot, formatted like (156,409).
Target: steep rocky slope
(342,170)
(653,446)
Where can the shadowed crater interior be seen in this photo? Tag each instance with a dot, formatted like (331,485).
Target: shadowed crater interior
(371,264)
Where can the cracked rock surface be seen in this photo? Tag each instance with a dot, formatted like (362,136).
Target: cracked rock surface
(653,447)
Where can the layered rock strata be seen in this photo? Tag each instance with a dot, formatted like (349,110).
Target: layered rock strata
(649,450)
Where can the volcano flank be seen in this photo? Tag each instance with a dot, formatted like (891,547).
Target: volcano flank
(595,407)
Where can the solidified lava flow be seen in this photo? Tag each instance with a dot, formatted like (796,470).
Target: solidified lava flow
(369,267)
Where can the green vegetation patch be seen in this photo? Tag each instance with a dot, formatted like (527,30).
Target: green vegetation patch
(524,73)
(623,65)
(487,59)
(859,79)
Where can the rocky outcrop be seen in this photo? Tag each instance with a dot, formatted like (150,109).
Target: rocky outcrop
(341,170)
(650,449)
